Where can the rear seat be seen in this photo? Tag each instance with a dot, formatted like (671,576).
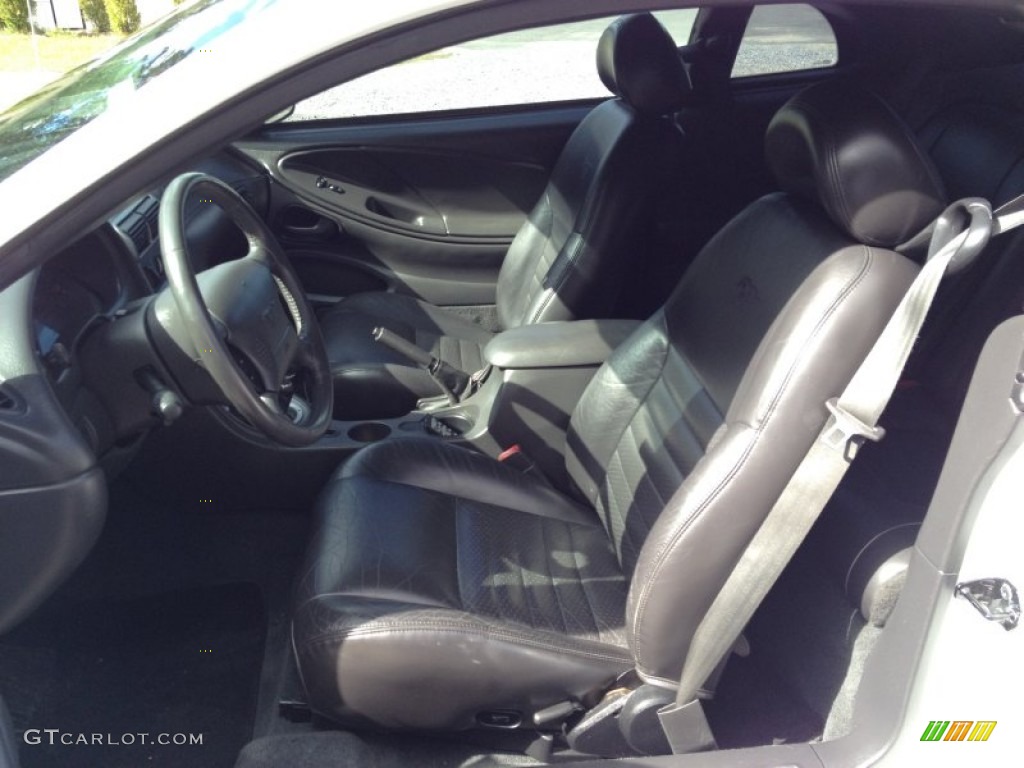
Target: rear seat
(979,150)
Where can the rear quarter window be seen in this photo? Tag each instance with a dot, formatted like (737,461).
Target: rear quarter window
(785,38)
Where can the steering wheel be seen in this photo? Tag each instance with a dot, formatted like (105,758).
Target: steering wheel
(248,320)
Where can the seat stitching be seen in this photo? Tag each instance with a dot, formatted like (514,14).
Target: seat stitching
(662,555)
(646,477)
(458,551)
(631,434)
(582,583)
(627,537)
(659,369)
(527,598)
(551,580)
(683,405)
(326,638)
(834,182)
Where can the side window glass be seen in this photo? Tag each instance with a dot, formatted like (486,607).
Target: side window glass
(785,38)
(531,66)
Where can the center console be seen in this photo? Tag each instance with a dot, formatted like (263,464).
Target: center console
(535,376)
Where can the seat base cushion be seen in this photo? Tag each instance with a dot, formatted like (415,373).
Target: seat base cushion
(371,381)
(441,584)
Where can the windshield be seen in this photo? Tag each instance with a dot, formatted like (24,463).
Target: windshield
(34,125)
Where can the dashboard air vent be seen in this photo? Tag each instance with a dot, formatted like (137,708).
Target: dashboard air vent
(138,231)
(141,223)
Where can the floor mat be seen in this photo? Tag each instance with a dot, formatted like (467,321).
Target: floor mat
(138,672)
(340,748)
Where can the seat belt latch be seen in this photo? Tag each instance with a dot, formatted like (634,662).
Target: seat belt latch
(686,728)
(845,432)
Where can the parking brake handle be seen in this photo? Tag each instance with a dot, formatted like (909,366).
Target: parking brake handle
(451,381)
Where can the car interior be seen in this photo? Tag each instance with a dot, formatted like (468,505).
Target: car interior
(430,438)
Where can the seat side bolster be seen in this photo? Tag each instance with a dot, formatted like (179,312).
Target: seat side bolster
(808,355)
(495,665)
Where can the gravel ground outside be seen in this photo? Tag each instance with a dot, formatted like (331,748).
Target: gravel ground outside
(466,76)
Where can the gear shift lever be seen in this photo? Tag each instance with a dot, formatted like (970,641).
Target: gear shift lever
(451,381)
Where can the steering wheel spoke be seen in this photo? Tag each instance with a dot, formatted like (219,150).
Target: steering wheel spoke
(250,317)
(272,402)
(304,355)
(260,254)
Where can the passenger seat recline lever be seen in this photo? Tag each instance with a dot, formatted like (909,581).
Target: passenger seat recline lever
(451,381)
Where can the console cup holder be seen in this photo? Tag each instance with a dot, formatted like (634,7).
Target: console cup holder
(369,432)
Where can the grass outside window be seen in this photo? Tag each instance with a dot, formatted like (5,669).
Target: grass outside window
(57,52)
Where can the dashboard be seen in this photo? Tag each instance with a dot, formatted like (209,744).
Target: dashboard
(80,286)
(116,267)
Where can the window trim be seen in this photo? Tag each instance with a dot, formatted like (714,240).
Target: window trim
(356,121)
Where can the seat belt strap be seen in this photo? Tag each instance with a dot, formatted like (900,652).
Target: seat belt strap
(853,419)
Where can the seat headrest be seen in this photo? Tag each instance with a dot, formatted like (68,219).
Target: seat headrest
(639,62)
(841,146)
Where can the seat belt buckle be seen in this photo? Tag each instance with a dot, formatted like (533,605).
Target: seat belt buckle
(845,432)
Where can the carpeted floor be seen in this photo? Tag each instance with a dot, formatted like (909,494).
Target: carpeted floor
(340,748)
(180,662)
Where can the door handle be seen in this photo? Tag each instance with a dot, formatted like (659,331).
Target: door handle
(321,230)
(304,224)
(406,215)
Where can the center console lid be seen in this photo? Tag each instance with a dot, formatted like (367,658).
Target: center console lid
(558,345)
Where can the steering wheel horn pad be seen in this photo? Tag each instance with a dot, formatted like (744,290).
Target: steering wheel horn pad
(245,298)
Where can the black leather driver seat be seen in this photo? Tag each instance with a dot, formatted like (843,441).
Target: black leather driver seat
(441,584)
(568,259)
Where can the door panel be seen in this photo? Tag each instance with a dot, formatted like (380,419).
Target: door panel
(419,191)
(426,207)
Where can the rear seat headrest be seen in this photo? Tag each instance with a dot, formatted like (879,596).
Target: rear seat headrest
(639,62)
(842,147)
